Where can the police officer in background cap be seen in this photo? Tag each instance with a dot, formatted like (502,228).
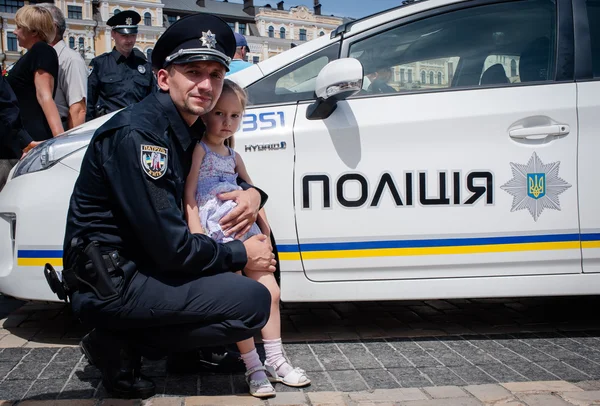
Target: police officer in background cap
(120,77)
(132,268)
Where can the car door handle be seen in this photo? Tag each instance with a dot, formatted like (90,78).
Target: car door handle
(539,132)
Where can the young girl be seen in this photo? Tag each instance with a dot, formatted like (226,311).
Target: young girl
(215,168)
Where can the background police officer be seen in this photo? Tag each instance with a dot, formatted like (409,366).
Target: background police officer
(143,280)
(120,77)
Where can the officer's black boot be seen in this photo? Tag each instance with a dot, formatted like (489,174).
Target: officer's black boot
(119,364)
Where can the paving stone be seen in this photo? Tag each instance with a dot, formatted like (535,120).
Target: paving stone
(404,345)
(442,376)
(14,389)
(420,359)
(301,356)
(13,354)
(410,377)
(564,371)
(582,398)
(184,385)
(79,389)
(387,355)
(157,401)
(549,348)
(326,398)
(472,353)
(445,392)
(588,385)
(44,389)
(543,400)
(330,357)
(379,379)
(526,351)
(393,395)
(532,371)
(590,368)
(57,370)
(289,399)
(443,402)
(64,402)
(502,373)
(472,375)
(489,393)
(26,370)
(347,381)
(320,382)
(358,355)
(68,354)
(120,402)
(41,355)
(154,368)
(543,386)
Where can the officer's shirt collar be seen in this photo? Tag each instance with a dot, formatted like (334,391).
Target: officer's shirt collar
(119,57)
(183,132)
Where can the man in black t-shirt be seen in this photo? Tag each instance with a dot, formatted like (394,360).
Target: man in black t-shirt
(120,77)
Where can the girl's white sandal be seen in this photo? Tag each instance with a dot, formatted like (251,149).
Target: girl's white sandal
(296,378)
(262,388)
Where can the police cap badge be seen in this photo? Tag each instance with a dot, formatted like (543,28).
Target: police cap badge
(125,22)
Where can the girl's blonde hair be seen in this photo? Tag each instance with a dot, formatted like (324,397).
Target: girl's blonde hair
(230,86)
(37,20)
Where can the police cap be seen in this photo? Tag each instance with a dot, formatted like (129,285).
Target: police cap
(125,22)
(198,37)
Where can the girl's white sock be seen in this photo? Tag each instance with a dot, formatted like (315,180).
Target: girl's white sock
(275,358)
(251,360)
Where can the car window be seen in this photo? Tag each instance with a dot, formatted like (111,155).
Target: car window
(294,82)
(593,9)
(498,44)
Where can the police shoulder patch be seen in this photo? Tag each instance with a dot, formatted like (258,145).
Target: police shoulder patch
(154,160)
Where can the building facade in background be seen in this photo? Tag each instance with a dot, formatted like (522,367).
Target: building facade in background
(269,30)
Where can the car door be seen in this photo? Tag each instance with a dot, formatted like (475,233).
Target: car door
(588,88)
(265,142)
(458,157)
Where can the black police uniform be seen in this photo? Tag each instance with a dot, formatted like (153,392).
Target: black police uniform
(168,289)
(116,81)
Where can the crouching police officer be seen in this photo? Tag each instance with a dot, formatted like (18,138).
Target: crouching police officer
(132,269)
(120,77)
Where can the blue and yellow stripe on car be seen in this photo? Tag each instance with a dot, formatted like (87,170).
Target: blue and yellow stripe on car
(447,246)
(391,247)
(39,257)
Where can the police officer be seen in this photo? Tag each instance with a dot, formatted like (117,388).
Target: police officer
(132,269)
(120,77)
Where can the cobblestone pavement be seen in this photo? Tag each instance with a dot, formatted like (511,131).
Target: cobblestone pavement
(528,351)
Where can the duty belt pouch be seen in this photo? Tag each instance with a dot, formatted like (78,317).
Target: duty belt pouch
(95,274)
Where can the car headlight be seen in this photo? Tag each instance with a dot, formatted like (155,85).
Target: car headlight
(50,152)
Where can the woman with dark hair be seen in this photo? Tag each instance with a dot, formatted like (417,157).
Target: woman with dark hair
(34,76)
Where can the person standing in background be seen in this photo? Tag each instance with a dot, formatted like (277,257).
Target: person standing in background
(120,77)
(239,59)
(72,75)
(34,76)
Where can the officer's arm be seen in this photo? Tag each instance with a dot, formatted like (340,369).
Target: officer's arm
(92,92)
(150,208)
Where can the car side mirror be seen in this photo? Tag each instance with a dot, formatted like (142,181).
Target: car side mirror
(337,81)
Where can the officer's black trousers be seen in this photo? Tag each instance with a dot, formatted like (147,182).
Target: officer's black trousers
(171,314)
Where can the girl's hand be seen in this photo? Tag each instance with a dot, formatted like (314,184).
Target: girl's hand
(240,219)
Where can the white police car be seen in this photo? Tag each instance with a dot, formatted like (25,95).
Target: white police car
(464,166)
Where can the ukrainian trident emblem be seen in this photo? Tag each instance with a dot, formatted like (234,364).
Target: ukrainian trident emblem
(535,185)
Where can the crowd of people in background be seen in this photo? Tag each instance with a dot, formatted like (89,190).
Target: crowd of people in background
(51,90)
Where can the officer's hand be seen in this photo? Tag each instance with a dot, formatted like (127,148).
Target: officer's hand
(240,219)
(260,255)
(29,147)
